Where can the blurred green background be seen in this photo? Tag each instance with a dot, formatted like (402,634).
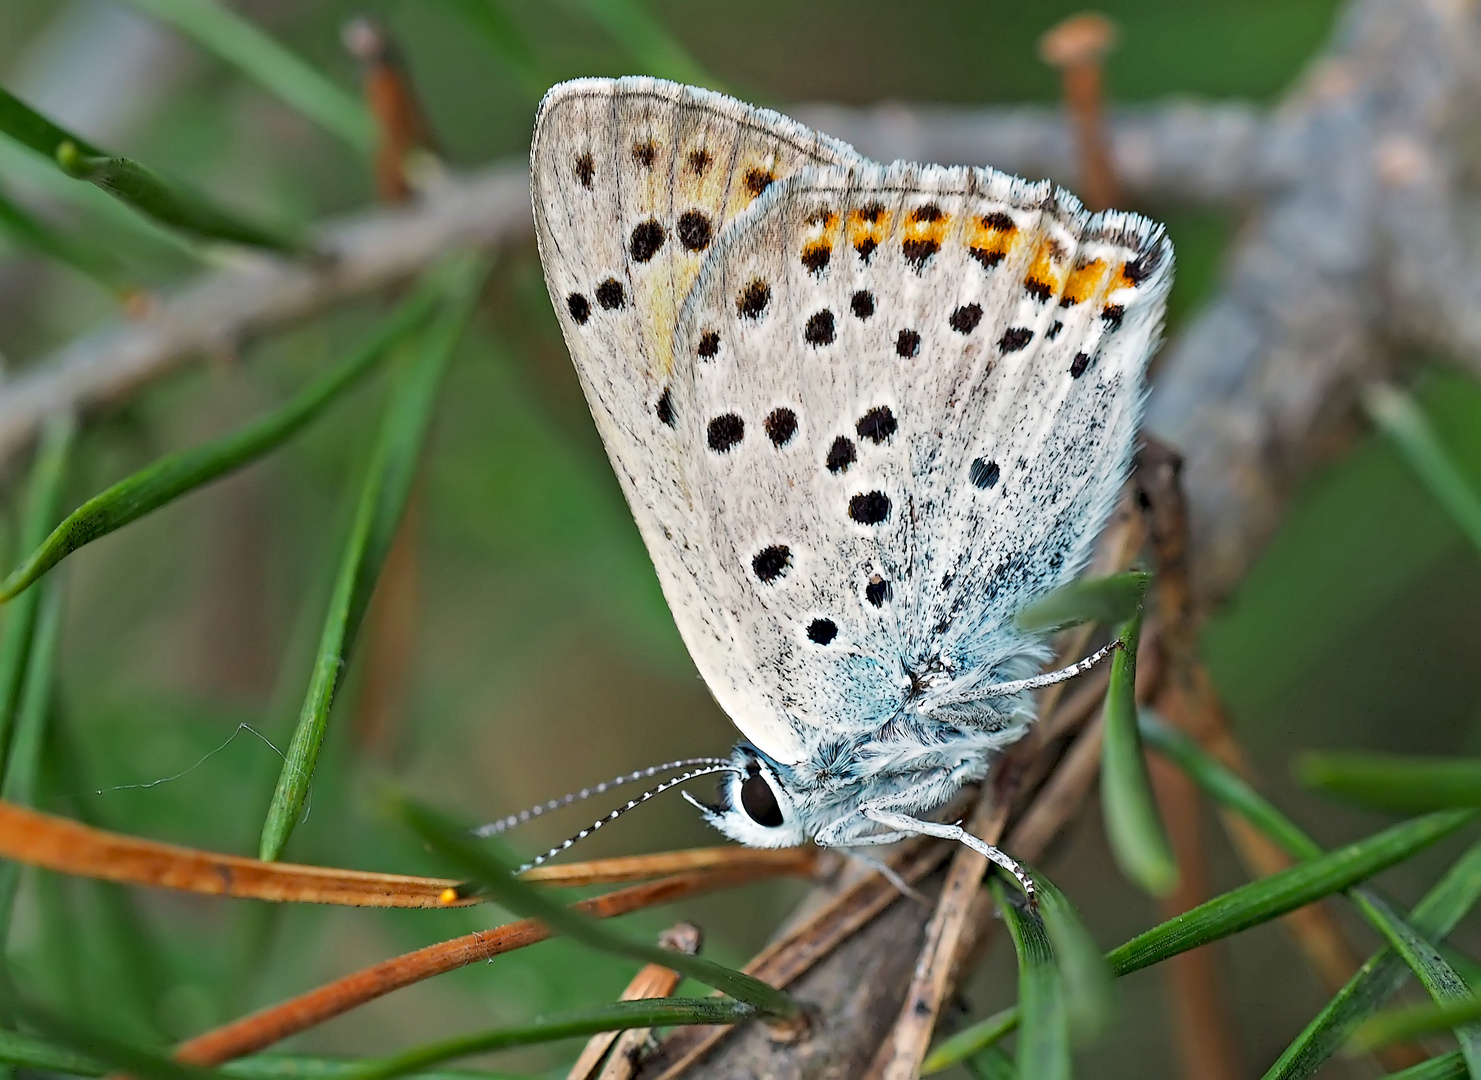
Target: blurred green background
(542,657)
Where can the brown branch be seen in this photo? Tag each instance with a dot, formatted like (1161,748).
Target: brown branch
(276,1022)
(902,1053)
(832,925)
(652,981)
(67,847)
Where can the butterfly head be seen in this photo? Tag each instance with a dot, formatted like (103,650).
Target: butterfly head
(756,805)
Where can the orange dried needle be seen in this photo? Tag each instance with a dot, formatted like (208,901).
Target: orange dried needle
(400,122)
(1076,48)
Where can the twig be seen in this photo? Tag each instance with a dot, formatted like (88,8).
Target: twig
(277,1022)
(67,847)
(1076,48)
(902,1054)
(401,126)
(796,952)
(1187,699)
(1203,1023)
(222,309)
(652,981)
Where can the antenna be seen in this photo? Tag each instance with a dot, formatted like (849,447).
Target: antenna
(717,765)
(494,828)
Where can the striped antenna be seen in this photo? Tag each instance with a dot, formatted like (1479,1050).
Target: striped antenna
(494,828)
(717,765)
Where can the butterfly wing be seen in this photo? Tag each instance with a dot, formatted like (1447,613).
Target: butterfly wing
(634,182)
(920,412)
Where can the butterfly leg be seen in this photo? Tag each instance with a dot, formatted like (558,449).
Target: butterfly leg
(886,871)
(903,823)
(1049,678)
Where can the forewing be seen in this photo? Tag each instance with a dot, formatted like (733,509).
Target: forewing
(634,182)
(920,408)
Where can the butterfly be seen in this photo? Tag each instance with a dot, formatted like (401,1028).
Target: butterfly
(863,414)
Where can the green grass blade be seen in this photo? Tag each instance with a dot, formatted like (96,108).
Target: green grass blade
(29,1051)
(23,766)
(971,1041)
(504,39)
(1226,787)
(102,218)
(43,495)
(1403,421)
(165,201)
(76,1038)
(1465,967)
(33,1052)
(656,51)
(477,859)
(1089,989)
(31,232)
(176,475)
(1112,600)
(244,45)
(1451,1066)
(653,1012)
(1417,1021)
(1271,897)
(1044,1031)
(1392,782)
(1438,978)
(383,496)
(301,1067)
(1381,975)
(169,202)
(1133,824)
(1249,905)
(992,1064)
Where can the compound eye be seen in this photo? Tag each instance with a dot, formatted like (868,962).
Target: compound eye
(759,801)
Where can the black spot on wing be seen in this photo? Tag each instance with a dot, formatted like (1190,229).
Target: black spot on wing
(822,631)
(965,318)
(586,169)
(918,251)
(984,474)
(781,425)
(753,299)
(819,329)
(877,425)
(869,508)
(647,237)
(695,230)
(724,432)
(579,307)
(610,295)
(1015,338)
(772,562)
(841,455)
